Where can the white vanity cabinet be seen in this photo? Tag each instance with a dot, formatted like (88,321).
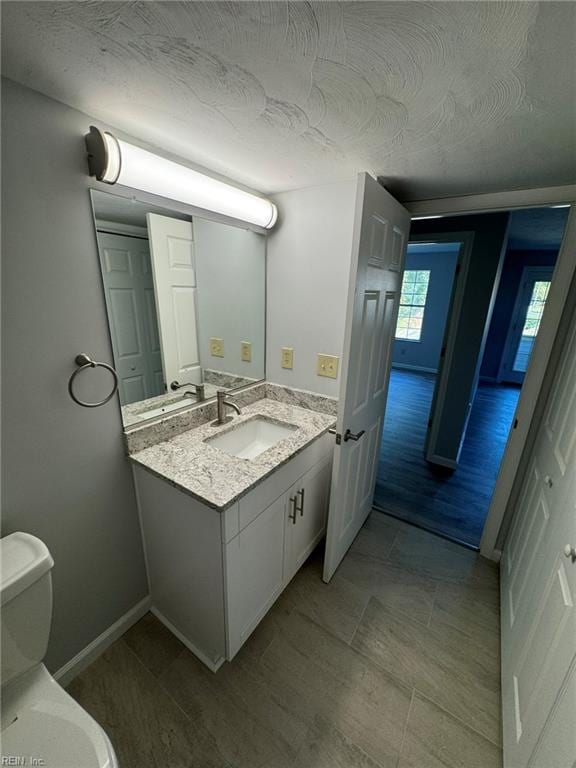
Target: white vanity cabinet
(214,575)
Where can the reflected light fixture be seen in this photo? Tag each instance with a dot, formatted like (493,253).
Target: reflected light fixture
(421,218)
(116,162)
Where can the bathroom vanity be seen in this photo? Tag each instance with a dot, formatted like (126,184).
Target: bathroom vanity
(229,514)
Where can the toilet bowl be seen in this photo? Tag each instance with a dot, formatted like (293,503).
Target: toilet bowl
(41,724)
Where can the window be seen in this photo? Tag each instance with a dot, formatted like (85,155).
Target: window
(412,304)
(531,325)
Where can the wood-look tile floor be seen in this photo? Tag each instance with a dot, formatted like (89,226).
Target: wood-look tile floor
(455,504)
(394,664)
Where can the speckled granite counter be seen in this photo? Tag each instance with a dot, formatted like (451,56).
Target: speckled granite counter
(218,479)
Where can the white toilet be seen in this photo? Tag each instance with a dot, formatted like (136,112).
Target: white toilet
(41,723)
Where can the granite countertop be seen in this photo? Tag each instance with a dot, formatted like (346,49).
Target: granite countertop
(134,413)
(218,479)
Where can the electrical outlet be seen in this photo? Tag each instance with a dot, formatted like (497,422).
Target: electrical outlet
(327,365)
(246,351)
(217,347)
(287,357)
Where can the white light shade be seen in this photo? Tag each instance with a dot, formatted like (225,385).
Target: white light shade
(117,162)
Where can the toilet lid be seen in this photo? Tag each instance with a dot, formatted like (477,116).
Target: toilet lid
(58,736)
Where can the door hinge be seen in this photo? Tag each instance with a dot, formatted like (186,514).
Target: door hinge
(457,270)
(442,352)
(515,424)
(429,423)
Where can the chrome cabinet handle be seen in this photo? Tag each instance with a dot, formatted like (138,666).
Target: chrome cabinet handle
(292,515)
(351,436)
(570,552)
(301,507)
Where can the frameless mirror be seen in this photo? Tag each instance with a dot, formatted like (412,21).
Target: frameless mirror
(186,304)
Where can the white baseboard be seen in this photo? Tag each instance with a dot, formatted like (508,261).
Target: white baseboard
(97,647)
(421,368)
(213,666)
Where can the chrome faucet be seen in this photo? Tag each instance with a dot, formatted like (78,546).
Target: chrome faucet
(199,389)
(222,403)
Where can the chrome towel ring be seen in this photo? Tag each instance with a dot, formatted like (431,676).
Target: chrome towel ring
(83,362)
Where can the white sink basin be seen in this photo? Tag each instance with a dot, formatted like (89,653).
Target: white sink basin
(251,438)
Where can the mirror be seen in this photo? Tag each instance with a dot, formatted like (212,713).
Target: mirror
(186,302)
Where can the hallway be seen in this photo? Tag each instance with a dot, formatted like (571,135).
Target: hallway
(452,504)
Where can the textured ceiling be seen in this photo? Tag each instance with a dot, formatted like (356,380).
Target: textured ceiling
(537,228)
(438,98)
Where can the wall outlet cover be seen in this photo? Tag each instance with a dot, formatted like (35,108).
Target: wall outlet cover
(327,365)
(287,357)
(246,351)
(216,347)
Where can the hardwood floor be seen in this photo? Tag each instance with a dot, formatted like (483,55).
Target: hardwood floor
(451,504)
(394,664)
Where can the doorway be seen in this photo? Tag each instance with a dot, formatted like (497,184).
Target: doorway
(449,493)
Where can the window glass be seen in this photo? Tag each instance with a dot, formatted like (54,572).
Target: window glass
(412,304)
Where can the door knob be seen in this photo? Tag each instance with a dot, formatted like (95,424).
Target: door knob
(351,436)
(570,552)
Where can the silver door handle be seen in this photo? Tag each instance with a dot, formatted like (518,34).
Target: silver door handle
(292,515)
(570,552)
(351,436)
(301,507)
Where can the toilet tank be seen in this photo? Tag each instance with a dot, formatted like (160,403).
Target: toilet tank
(26,603)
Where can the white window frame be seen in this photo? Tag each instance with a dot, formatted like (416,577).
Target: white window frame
(417,306)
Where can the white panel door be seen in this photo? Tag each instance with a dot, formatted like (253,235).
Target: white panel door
(173,265)
(538,585)
(129,291)
(381,231)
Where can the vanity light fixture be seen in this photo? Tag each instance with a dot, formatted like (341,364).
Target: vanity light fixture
(116,162)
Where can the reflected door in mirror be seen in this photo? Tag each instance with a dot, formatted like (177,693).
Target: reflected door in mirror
(129,289)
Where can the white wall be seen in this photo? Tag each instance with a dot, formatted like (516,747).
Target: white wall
(308,271)
(65,476)
(231,278)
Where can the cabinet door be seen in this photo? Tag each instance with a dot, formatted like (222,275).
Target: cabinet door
(306,511)
(254,573)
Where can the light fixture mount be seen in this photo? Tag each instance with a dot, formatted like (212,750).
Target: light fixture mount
(103,152)
(115,161)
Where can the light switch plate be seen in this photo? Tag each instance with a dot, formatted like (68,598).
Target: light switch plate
(287,357)
(216,347)
(327,365)
(246,351)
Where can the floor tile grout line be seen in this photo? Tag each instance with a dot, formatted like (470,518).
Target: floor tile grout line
(368,598)
(405,731)
(174,660)
(456,717)
(436,587)
(157,681)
